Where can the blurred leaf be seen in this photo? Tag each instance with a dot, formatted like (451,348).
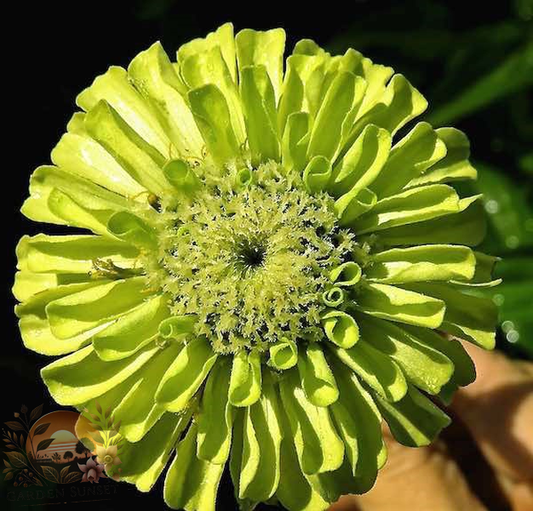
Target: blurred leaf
(526,163)
(514,298)
(510,215)
(512,75)
(524,9)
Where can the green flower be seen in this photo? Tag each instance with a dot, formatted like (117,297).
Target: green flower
(270,269)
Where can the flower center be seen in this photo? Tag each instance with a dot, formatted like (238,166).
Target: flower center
(250,253)
(251,263)
(108,458)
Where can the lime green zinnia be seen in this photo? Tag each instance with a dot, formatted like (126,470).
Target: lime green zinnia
(269,269)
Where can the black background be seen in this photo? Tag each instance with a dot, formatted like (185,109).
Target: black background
(52,50)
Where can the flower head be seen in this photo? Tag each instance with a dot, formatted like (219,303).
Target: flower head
(92,471)
(107,456)
(270,268)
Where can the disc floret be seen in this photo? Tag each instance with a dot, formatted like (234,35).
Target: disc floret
(251,263)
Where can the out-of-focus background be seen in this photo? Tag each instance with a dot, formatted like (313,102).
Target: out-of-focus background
(472,61)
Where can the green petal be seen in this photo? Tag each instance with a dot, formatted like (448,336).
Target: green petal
(422,264)
(131,331)
(115,89)
(317,174)
(257,48)
(112,397)
(143,461)
(82,376)
(401,305)
(310,69)
(353,204)
(260,465)
(34,325)
(208,67)
(212,116)
(336,115)
(138,411)
(425,367)
(236,453)
(317,379)
(454,166)
(466,227)
(416,152)
(295,140)
(469,317)
(191,483)
(484,267)
(375,75)
(464,370)
(185,375)
(142,161)
(358,421)
(292,97)
(340,328)
(333,297)
(283,354)
(362,162)
(61,198)
(80,155)
(132,229)
(259,103)
(37,336)
(215,419)
(27,284)
(410,206)
(89,308)
(222,38)
(245,382)
(376,369)
(37,304)
(318,445)
(182,177)
(72,254)
(294,491)
(176,327)
(154,77)
(400,103)
(70,212)
(332,485)
(347,274)
(414,421)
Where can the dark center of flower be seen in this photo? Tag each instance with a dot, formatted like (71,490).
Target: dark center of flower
(250,253)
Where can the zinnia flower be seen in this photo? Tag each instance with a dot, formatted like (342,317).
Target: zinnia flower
(270,268)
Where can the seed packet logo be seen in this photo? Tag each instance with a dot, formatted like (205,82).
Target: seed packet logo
(99,432)
(43,449)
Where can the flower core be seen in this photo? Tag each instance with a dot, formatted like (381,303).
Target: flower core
(250,261)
